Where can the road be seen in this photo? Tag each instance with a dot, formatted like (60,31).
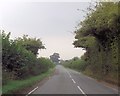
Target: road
(67,81)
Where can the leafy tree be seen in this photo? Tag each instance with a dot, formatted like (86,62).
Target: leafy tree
(101,23)
(18,62)
(31,44)
(99,35)
(15,57)
(55,57)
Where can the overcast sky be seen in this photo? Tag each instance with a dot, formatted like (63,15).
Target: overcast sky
(52,22)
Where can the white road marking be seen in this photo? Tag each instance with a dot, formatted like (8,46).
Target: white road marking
(69,74)
(77,86)
(32,91)
(81,90)
(73,81)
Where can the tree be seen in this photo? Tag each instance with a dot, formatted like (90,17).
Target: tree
(31,44)
(18,62)
(102,23)
(14,56)
(99,35)
(55,57)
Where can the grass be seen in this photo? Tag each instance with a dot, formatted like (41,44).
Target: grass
(16,85)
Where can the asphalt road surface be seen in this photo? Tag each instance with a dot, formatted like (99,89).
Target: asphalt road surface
(67,81)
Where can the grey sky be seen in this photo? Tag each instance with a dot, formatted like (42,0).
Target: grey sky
(53,22)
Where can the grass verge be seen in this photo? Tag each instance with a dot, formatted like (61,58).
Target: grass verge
(16,85)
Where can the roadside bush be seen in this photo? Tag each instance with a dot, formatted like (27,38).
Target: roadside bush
(77,64)
(44,64)
(20,63)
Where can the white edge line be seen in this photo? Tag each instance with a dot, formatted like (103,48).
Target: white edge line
(32,91)
(73,81)
(81,90)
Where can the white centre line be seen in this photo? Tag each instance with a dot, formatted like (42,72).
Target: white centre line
(69,74)
(81,90)
(73,81)
(32,91)
(77,86)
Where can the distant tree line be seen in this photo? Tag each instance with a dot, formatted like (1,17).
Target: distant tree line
(19,58)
